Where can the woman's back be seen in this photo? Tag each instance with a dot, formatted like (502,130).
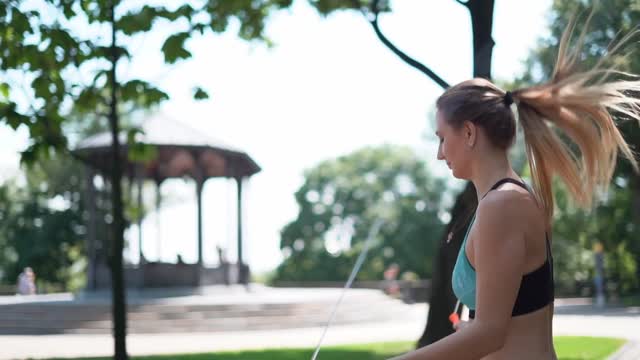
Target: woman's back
(529,335)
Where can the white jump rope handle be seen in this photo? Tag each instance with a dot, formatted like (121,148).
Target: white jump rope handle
(372,234)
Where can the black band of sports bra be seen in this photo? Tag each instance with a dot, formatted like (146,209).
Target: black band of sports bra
(536,288)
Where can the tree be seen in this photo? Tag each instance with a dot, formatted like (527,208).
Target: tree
(51,58)
(342,198)
(576,231)
(613,221)
(41,226)
(43,214)
(49,47)
(442,299)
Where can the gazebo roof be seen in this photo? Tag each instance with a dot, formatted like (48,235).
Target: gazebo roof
(181,151)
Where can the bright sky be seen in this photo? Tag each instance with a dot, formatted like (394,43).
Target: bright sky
(329,87)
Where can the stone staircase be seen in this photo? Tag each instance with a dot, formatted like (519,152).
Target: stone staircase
(267,308)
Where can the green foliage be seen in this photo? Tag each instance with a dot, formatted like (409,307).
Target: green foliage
(51,58)
(55,70)
(200,94)
(173,48)
(38,47)
(326,7)
(142,93)
(339,201)
(612,223)
(138,151)
(42,226)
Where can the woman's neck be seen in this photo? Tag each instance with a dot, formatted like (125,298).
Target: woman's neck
(490,171)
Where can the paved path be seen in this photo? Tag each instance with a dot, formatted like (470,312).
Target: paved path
(569,320)
(629,351)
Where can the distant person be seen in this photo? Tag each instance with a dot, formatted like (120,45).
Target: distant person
(391,286)
(224,265)
(221,256)
(27,282)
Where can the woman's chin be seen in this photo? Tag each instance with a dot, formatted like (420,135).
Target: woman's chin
(458,175)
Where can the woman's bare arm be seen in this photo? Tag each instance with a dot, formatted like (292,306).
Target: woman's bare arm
(499,255)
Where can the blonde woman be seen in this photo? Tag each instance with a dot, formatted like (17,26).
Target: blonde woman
(504,271)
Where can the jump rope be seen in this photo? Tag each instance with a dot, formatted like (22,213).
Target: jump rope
(454,318)
(375,228)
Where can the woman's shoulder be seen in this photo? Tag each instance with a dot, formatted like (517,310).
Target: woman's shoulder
(507,206)
(507,195)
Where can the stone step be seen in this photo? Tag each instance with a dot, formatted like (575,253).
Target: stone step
(80,318)
(48,312)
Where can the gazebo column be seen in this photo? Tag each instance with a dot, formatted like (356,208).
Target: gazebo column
(199,186)
(139,180)
(158,220)
(239,183)
(243,271)
(91,230)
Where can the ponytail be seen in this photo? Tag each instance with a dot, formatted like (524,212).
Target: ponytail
(580,104)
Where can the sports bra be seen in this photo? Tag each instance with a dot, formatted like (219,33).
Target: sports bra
(536,288)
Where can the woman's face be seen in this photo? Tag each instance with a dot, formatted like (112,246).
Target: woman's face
(453,148)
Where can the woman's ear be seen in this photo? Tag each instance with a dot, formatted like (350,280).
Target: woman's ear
(470,133)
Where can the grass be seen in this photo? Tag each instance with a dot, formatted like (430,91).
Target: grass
(567,347)
(585,348)
(630,300)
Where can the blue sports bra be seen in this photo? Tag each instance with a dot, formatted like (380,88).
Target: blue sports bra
(536,288)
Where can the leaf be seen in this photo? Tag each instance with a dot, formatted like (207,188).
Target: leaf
(142,93)
(137,150)
(89,98)
(13,118)
(4,90)
(19,22)
(101,75)
(67,9)
(173,48)
(200,94)
(104,52)
(29,156)
(144,153)
(40,86)
(135,22)
(132,135)
(186,11)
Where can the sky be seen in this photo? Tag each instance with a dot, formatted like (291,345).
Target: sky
(327,88)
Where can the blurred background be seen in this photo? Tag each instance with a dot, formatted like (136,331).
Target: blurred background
(258,143)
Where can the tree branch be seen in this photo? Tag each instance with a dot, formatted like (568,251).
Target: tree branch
(465,4)
(406,58)
(409,60)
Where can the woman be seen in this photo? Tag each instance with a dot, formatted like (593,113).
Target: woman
(504,271)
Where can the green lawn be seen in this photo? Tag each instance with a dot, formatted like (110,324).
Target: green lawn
(580,347)
(567,347)
(631,300)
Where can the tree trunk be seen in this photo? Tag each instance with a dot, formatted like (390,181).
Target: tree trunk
(119,310)
(442,299)
(481,12)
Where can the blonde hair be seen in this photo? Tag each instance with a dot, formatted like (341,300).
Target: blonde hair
(579,103)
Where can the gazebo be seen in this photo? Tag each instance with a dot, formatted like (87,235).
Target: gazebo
(180,152)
